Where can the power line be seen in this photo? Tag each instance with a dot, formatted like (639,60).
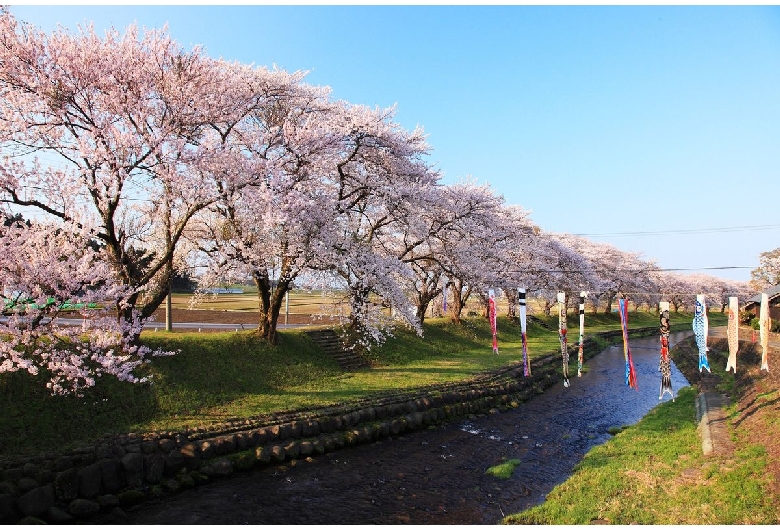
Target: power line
(698,269)
(569,271)
(685,231)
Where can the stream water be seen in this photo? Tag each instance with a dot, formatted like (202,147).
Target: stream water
(438,476)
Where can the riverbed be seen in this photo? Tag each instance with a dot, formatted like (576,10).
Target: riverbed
(437,476)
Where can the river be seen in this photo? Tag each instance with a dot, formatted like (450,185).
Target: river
(438,476)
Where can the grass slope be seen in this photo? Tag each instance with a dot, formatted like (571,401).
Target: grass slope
(655,473)
(221,376)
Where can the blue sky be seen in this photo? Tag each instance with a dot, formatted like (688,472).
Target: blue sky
(659,121)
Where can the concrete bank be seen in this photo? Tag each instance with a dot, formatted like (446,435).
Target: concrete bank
(711,416)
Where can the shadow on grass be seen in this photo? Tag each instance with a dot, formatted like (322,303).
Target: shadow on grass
(33,421)
(212,370)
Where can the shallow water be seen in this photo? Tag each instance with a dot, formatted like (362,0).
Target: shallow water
(438,476)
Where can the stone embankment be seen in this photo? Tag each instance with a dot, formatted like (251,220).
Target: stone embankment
(103,479)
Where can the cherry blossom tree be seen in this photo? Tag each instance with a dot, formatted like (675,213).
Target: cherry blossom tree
(269,229)
(767,274)
(652,295)
(374,182)
(48,272)
(618,273)
(677,289)
(563,267)
(432,243)
(340,184)
(117,141)
(465,242)
(717,290)
(538,261)
(128,134)
(723,288)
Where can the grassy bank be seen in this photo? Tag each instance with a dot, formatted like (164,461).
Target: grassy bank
(656,473)
(222,376)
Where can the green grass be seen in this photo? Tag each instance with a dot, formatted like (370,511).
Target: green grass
(221,376)
(503,470)
(655,473)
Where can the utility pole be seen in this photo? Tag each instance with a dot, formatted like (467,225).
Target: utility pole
(286,307)
(169,307)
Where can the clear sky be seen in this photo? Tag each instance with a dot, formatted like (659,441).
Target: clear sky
(652,128)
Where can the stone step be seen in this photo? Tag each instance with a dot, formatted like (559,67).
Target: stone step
(330,344)
(539,322)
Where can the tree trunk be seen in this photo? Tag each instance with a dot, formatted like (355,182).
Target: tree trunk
(157,297)
(459,299)
(424,299)
(511,310)
(485,305)
(425,294)
(359,300)
(270,301)
(594,305)
(272,317)
(263,284)
(610,301)
(456,308)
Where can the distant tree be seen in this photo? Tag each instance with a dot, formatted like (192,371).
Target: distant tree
(183,281)
(768,272)
(565,268)
(469,242)
(610,271)
(676,289)
(721,289)
(519,252)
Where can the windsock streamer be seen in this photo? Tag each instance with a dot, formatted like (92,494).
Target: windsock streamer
(700,331)
(562,336)
(492,317)
(630,372)
(521,303)
(580,354)
(665,365)
(732,334)
(764,323)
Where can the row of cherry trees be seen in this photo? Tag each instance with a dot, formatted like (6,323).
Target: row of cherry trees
(126,158)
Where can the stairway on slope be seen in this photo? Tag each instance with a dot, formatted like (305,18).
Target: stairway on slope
(330,343)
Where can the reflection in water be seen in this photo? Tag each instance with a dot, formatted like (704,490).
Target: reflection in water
(552,432)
